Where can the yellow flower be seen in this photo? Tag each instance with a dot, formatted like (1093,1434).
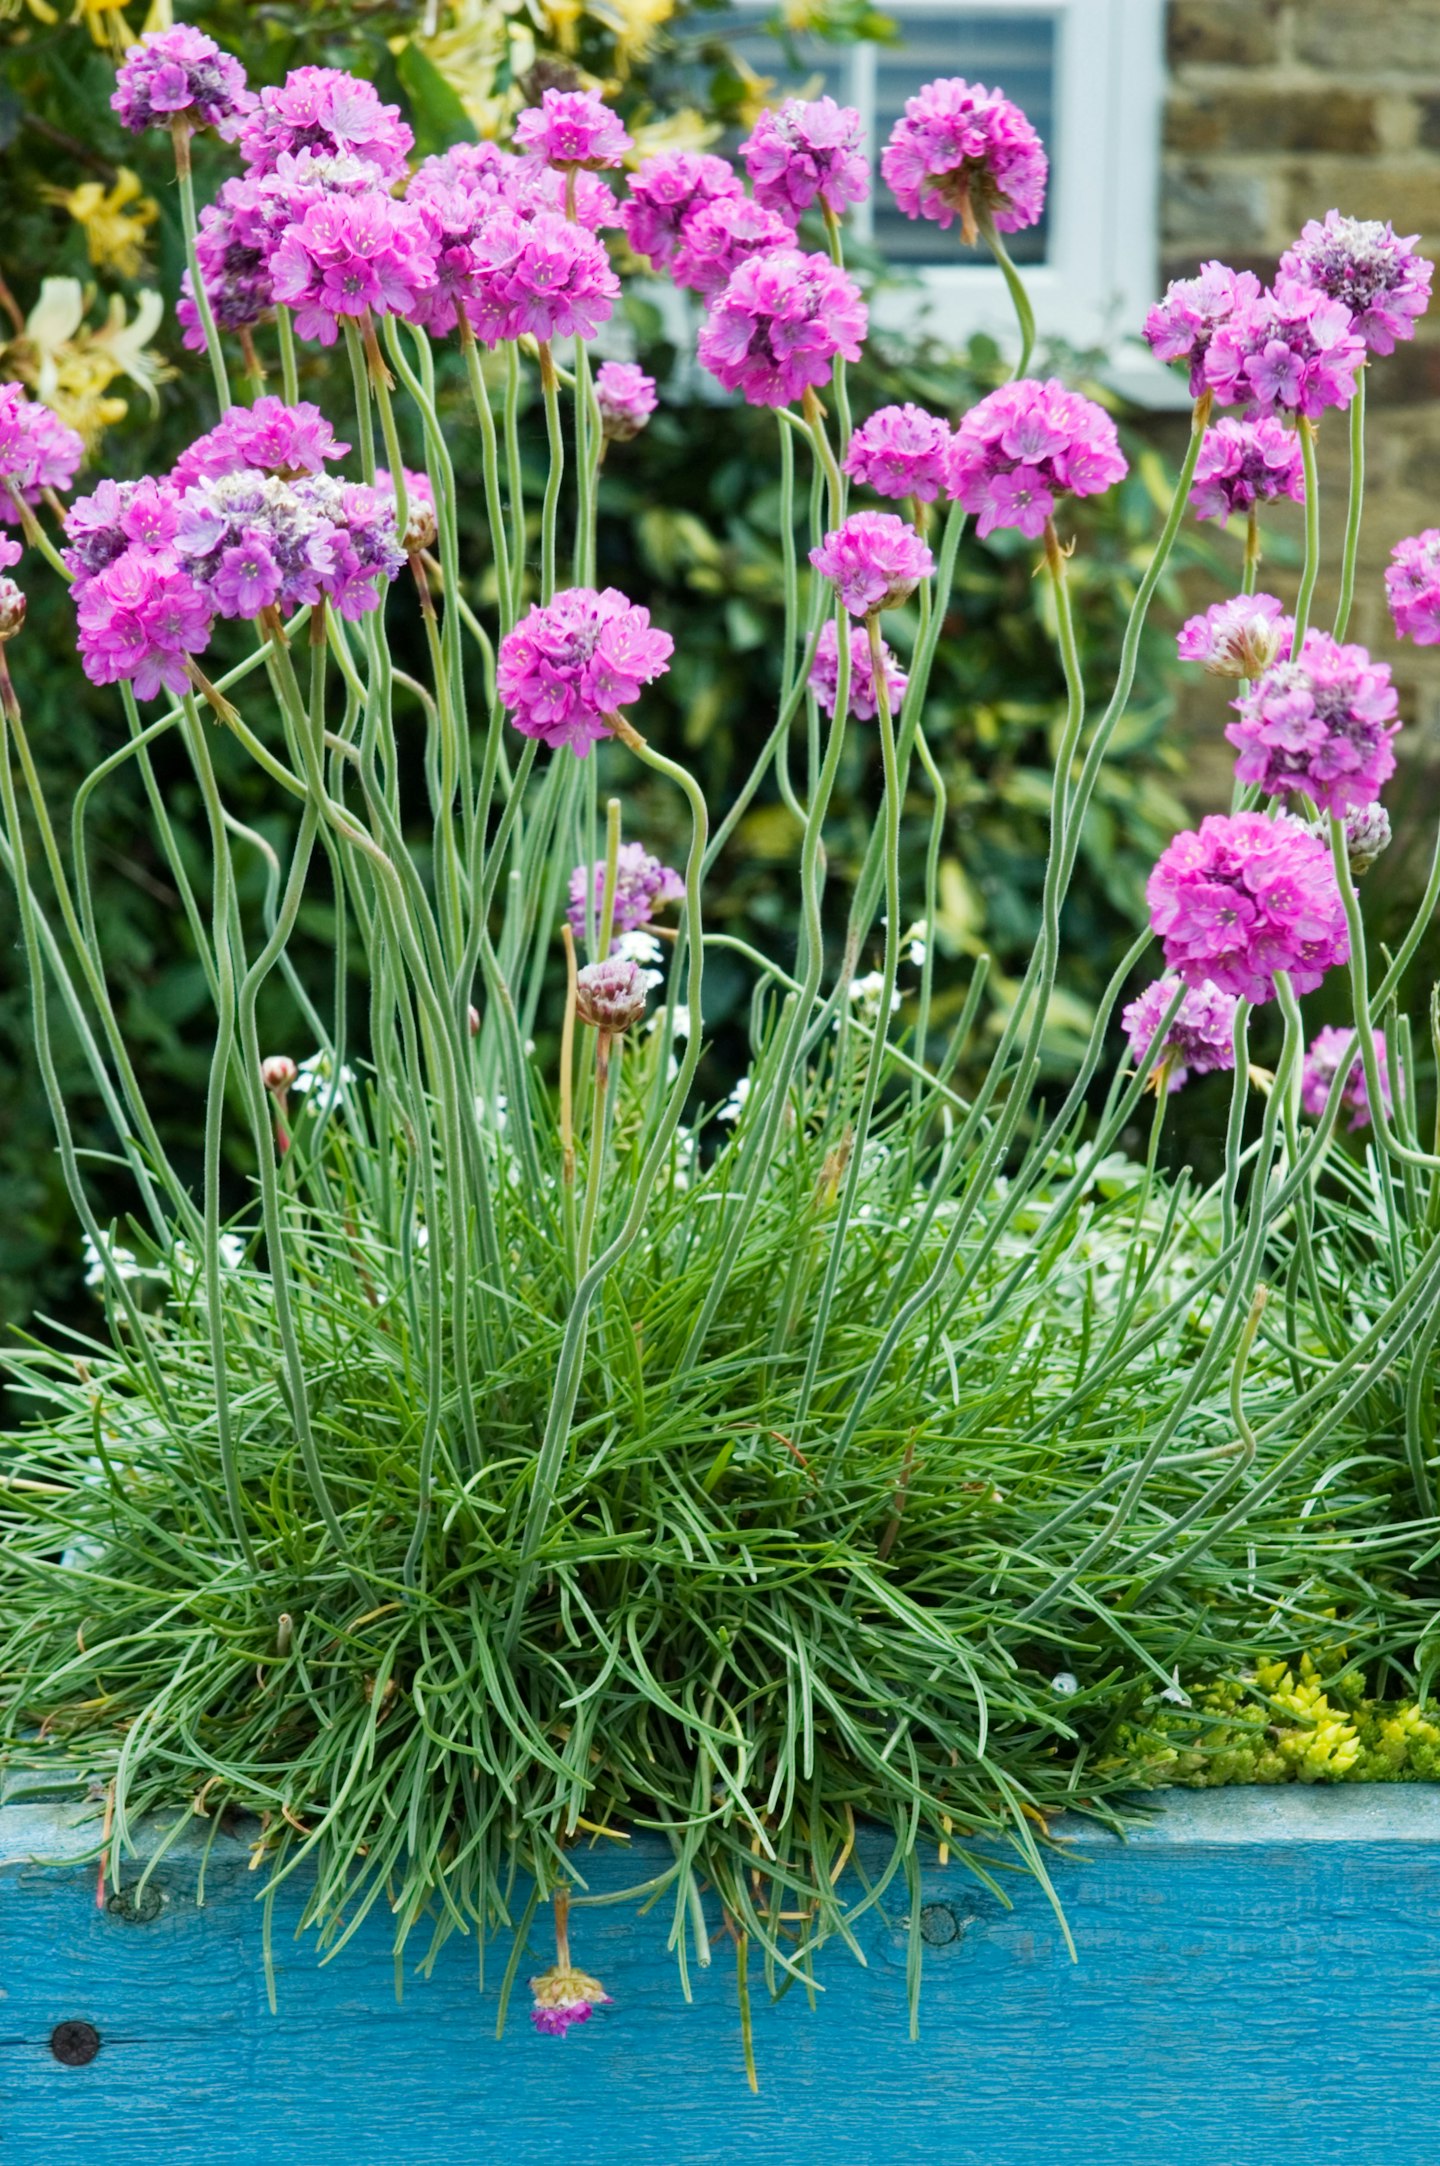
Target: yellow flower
(685,130)
(106,22)
(71,365)
(468,47)
(634,24)
(115,220)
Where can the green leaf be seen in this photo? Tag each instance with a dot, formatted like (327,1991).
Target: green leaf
(436,114)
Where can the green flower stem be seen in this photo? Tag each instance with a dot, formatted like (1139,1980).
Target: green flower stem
(360,384)
(1355,506)
(1251,574)
(180,137)
(1074,723)
(550,509)
(515,472)
(1235,1123)
(289,372)
(1365,1009)
(380,383)
(1024,313)
(605,1089)
(932,907)
(490,449)
(842,395)
(1311,570)
(589,444)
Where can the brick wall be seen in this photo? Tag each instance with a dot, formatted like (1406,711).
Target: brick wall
(1279,109)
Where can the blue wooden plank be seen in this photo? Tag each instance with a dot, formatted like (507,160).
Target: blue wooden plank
(1258,1985)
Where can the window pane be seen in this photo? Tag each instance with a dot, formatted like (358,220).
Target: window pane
(1013,53)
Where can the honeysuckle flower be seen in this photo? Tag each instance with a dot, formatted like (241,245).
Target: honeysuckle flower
(1322,1063)
(140,619)
(1244,897)
(626,398)
(37,451)
(611,994)
(1238,638)
(960,151)
(1243,463)
(1025,445)
(643,885)
(1322,723)
(665,191)
(180,75)
(1201,1037)
(1364,264)
(573,128)
(718,237)
(269,437)
(807,151)
(564,1997)
(328,111)
(876,560)
(1181,326)
(776,328)
(1367,834)
(1291,350)
(825,675)
(570,664)
(114,220)
(901,451)
(1412,585)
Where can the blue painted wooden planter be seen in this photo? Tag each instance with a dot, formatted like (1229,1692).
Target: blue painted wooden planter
(1258,1984)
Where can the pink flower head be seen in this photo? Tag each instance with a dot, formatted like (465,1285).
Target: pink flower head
(664,190)
(806,152)
(569,664)
(556,282)
(37,451)
(478,166)
(1201,1037)
(875,559)
(626,398)
(269,436)
(233,263)
(777,326)
(1238,638)
(1244,897)
(329,112)
(474,235)
(1246,462)
(139,619)
(1026,444)
(563,1995)
(1180,327)
(1322,1064)
(1364,264)
(642,886)
(252,541)
(901,451)
(1412,587)
(1323,723)
(825,673)
(609,995)
(12,597)
(1291,351)
(572,128)
(180,74)
(350,254)
(530,186)
(959,151)
(119,515)
(718,237)
(10,553)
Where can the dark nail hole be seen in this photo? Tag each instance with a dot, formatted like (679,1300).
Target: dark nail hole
(938,1924)
(74,2044)
(136,1909)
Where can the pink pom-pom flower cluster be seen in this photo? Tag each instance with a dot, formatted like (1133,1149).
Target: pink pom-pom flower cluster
(876,560)
(328,113)
(37,451)
(960,151)
(1321,723)
(140,619)
(1412,587)
(1292,350)
(571,128)
(1201,1037)
(902,451)
(824,679)
(180,75)
(666,191)
(805,152)
(1238,638)
(626,398)
(1243,463)
(776,329)
(1244,897)
(269,436)
(1366,266)
(252,541)
(1026,445)
(722,235)
(643,885)
(563,1995)
(1322,1064)
(1182,325)
(571,663)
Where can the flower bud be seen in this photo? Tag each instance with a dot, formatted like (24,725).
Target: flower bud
(611,994)
(12,609)
(420,528)
(278,1073)
(473,1018)
(1367,833)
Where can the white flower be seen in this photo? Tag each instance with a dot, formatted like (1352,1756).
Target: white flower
(1175,1690)
(315,1075)
(1067,1684)
(643,948)
(735,1104)
(128,1266)
(917,943)
(680,1027)
(866,994)
(499,1112)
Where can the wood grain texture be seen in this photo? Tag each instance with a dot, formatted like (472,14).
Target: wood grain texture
(1258,1985)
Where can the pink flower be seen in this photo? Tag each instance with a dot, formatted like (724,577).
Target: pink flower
(1292,350)
(1238,638)
(1367,267)
(1412,587)
(102,527)
(180,74)
(875,559)
(530,186)
(1245,897)
(1201,1037)
(1367,834)
(1322,1064)
(825,673)
(1181,327)
(139,619)
(1026,444)
(350,254)
(558,283)
(572,128)
(960,151)
(252,541)
(626,398)
(778,325)
(569,664)
(233,264)
(642,886)
(718,237)
(804,153)
(609,995)
(474,235)
(1322,723)
(1246,462)
(37,451)
(10,553)
(327,111)
(664,190)
(269,436)
(564,1995)
(901,451)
